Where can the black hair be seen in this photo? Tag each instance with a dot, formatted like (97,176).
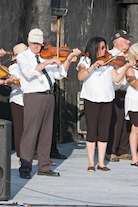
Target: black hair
(92,47)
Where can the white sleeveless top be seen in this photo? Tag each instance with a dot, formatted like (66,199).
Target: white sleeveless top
(131,98)
(98,86)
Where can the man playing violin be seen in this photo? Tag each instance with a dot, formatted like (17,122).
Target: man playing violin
(37,77)
(118,145)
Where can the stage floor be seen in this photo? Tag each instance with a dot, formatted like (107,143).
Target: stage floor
(75,186)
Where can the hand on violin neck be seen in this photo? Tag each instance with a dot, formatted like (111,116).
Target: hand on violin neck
(130,64)
(75,52)
(74,59)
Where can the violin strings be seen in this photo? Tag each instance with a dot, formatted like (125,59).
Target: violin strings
(113,57)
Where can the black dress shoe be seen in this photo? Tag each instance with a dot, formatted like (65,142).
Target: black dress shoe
(57,156)
(49,173)
(25,175)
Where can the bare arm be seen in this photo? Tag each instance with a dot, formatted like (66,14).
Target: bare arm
(118,77)
(50,61)
(83,73)
(71,57)
(66,64)
(131,78)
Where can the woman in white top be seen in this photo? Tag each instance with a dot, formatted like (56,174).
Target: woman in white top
(98,94)
(131,103)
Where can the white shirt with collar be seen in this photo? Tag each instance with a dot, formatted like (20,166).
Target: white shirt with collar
(122,84)
(98,86)
(33,81)
(16,94)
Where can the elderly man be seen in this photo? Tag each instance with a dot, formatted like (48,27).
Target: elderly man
(37,77)
(118,145)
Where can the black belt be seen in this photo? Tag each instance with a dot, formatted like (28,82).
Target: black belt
(46,92)
(121,91)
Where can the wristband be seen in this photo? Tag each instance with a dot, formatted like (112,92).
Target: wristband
(68,60)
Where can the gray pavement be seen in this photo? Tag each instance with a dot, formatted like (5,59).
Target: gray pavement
(75,186)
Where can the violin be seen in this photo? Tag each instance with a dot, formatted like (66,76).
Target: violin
(4,71)
(118,61)
(50,51)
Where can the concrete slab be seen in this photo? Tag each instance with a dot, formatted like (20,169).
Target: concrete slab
(76,186)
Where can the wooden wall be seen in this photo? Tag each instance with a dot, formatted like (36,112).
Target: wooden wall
(82,21)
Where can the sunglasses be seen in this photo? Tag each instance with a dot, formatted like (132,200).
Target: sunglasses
(103,47)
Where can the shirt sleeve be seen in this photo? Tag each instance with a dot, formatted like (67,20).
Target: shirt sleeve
(56,72)
(86,61)
(13,69)
(26,68)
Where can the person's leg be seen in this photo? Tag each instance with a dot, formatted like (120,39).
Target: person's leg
(103,131)
(91,115)
(101,153)
(33,115)
(133,137)
(91,152)
(45,136)
(115,130)
(17,119)
(54,153)
(133,140)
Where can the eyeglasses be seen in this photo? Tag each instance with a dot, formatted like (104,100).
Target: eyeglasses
(103,47)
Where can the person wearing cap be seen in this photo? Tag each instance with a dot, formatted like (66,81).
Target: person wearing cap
(37,77)
(118,142)
(16,102)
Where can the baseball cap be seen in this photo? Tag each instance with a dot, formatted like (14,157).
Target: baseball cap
(120,33)
(36,36)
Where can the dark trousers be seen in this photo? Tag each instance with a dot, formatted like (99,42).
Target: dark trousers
(98,116)
(17,119)
(38,125)
(118,141)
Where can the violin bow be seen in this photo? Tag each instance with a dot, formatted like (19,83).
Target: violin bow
(58,32)
(113,58)
(3,69)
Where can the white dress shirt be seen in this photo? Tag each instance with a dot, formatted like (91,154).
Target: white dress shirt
(33,81)
(98,86)
(122,84)
(16,94)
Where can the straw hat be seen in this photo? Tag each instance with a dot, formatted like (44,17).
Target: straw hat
(17,49)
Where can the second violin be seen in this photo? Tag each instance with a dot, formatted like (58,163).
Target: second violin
(50,51)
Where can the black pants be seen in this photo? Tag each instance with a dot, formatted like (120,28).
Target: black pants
(98,116)
(17,119)
(118,141)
